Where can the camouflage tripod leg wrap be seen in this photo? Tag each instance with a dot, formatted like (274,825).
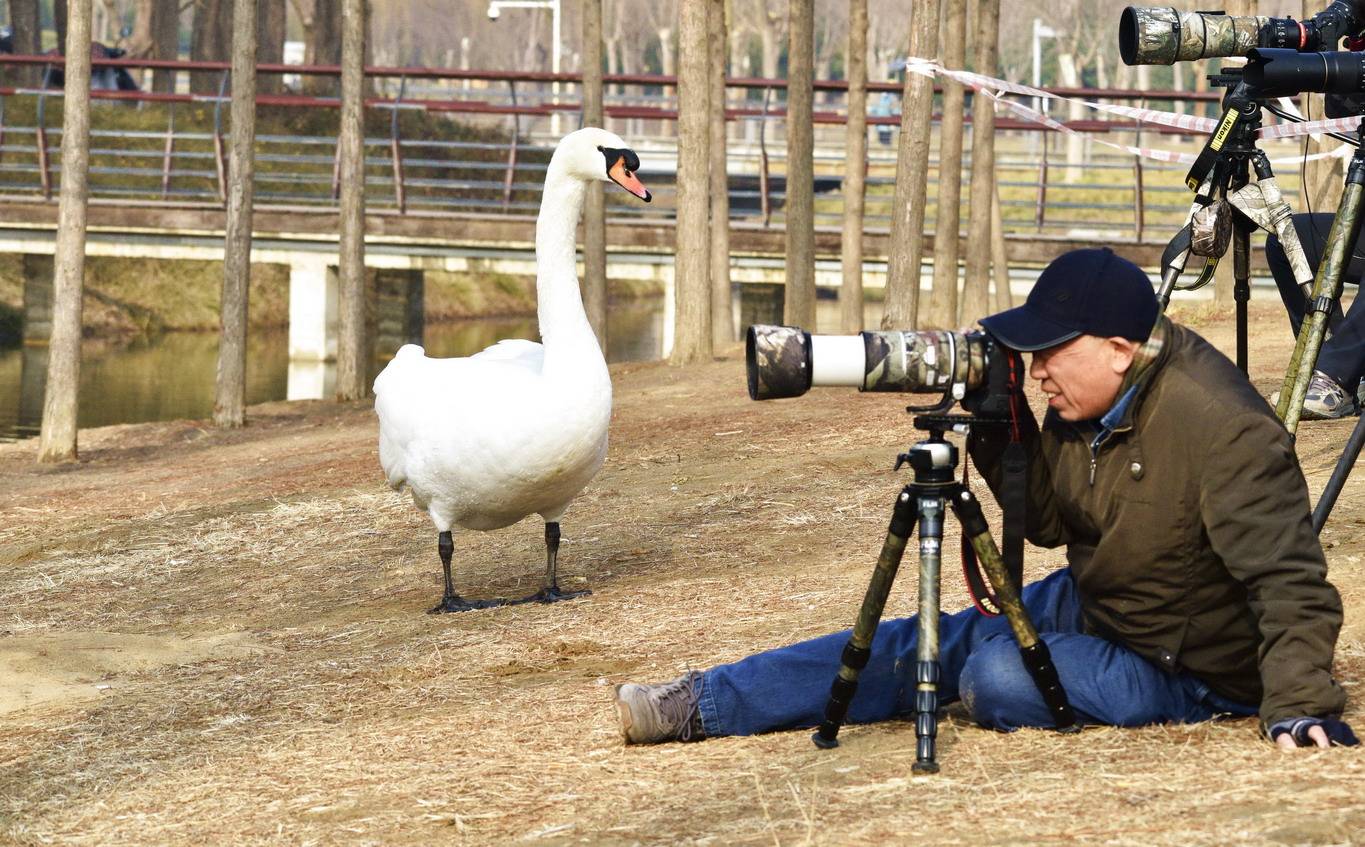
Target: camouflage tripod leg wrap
(1037,659)
(1326,294)
(859,647)
(931,511)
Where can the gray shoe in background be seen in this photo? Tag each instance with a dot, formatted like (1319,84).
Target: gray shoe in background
(664,712)
(1326,400)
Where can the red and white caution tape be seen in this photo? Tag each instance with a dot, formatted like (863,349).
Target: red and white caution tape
(996,89)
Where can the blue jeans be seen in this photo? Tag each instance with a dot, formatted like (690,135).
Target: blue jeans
(979,664)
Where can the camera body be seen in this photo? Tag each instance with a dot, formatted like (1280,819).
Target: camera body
(970,368)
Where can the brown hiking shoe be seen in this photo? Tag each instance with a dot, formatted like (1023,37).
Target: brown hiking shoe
(664,712)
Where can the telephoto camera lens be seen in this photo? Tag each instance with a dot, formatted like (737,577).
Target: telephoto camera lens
(1278,73)
(787,361)
(1164,36)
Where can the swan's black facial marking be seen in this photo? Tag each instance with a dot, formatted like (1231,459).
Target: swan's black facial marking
(615,154)
(622,163)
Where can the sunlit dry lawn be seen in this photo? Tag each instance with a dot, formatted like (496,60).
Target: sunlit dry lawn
(221,637)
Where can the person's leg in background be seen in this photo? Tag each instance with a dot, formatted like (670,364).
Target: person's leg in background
(1341,362)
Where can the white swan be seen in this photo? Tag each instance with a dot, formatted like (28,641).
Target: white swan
(519,428)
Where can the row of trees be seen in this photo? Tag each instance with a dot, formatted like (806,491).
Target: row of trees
(155,29)
(57,440)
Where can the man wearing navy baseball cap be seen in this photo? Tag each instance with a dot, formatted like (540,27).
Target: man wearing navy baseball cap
(1195,585)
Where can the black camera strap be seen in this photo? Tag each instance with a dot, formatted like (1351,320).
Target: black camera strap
(1013,499)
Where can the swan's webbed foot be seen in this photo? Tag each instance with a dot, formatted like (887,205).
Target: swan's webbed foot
(456,603)
(552,594)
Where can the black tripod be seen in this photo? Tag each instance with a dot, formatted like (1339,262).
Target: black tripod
(1223,171)
(934,462)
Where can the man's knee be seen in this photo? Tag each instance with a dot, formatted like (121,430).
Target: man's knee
(997,690)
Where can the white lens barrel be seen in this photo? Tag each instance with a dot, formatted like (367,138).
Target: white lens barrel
(838,360)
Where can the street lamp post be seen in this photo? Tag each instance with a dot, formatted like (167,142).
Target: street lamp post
(495,8)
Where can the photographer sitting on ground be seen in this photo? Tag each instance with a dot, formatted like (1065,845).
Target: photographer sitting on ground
(1195,585)
(1341,362)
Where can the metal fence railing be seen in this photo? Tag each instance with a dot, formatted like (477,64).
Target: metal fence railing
(447,142)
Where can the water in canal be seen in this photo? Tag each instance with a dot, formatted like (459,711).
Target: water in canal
(170,376)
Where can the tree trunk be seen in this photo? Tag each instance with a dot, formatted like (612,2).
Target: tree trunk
(229,403)
(1075,144)
(800,230)
(692,265)
(165,26)
(1000,266)
(27,38)
(325,45)
(273,14)
(57,440)
(976,287)
(942,312)
(352,351)
(1323,179)
(912,174)
(722,318)
(211,41)
(594,217)
(855,172)
(59,16)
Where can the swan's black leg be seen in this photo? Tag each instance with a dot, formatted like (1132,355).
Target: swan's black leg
(450,601)
(549,592)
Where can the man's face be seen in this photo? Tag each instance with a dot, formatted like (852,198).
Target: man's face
(1082,376)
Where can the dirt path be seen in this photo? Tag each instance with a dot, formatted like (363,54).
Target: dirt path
(223,639)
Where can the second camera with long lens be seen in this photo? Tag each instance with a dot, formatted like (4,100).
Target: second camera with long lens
(1160,35)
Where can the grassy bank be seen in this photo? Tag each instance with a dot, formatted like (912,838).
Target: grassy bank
(136,297)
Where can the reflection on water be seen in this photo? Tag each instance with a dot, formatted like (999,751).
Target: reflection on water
(171,376)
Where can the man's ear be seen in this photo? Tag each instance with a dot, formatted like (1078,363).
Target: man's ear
(1121,353)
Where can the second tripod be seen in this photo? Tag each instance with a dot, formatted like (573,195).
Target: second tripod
(935,487)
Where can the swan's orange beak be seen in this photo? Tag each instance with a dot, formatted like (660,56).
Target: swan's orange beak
(626,179)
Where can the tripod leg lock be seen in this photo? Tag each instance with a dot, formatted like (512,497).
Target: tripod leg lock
(855,657)
(1038,661)
(1323,304)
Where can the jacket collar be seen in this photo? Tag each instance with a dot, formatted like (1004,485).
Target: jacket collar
(1146,363)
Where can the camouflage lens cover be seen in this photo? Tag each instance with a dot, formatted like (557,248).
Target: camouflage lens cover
(924,362)
(1211,229)
(778,360)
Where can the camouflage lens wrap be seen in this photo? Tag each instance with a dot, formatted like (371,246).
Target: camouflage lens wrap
(924,362)
(778,360)
(1163,36)
(1211,229)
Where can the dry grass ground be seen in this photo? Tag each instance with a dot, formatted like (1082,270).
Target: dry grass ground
(221,637)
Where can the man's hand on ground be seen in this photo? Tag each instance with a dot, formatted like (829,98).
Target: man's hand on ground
(1292,733)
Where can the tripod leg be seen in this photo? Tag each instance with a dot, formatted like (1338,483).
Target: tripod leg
(1339,474)
(1241,285)
(1037,659)
(859,647)
(926,656)
(1326,292)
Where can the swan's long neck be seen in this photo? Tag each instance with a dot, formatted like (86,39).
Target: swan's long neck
(564,329)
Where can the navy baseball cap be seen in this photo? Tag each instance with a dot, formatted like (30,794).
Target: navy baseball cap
(1084,292)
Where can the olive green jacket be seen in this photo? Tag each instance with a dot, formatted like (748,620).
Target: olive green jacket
(1187,531)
